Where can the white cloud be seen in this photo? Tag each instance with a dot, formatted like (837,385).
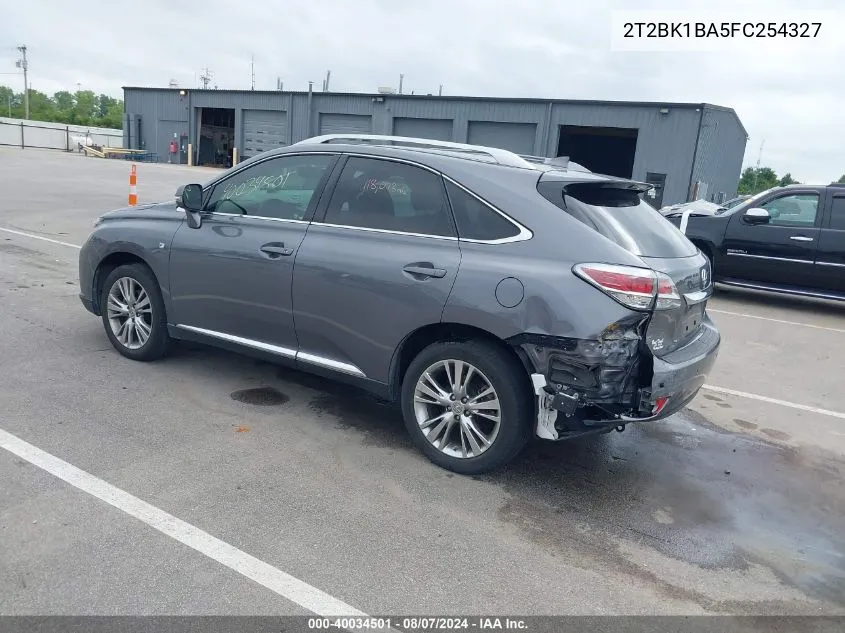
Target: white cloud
(524,48)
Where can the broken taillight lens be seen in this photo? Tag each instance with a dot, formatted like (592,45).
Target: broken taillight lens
(633,287)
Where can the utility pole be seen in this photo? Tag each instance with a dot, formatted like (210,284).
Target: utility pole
(24,64)
(759,158)
(401,79)
(252,69)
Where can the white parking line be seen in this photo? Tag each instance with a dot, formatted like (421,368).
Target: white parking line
(39,237)
(762,318)
(783,403)
(264,574)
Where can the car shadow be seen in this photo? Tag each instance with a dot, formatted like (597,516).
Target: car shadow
(682,487)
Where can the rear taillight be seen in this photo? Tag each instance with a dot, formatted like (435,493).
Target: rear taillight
(667,294)
(635,288)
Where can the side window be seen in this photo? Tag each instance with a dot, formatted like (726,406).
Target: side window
(798,210)
(279,188)
(475,220)
(837,213)
(382,194)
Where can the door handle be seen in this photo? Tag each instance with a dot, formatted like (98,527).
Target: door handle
(276,250)
(801,238)
(424,271)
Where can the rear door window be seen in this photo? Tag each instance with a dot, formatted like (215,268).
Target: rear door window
(390,196)
(620,215)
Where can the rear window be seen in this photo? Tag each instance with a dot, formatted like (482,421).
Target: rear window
(622,216)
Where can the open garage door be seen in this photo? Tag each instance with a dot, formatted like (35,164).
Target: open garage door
(263,130)
(346,124)
(604,150)
(436,129)
(516,137)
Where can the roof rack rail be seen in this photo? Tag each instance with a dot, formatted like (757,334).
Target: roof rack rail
(501,156)
(556,161)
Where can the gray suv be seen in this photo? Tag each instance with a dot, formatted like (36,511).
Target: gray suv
(495,297)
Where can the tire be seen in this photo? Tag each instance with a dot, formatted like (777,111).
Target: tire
(491,367)
(150,317)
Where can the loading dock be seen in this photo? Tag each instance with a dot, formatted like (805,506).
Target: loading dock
(436,129)
(263,130)
(516,137)
(345,123)
(216,137)
(606,150)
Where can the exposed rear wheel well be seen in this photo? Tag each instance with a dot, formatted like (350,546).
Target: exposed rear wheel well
(418,340)
(109,264)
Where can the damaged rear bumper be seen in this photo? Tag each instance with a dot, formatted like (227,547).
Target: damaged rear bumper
(616,380)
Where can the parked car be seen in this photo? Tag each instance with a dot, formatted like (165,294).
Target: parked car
(493,298)
(730,204)
(786,239)
(696,207)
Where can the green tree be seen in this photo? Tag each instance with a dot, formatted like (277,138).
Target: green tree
(65,103)
(82,108)
(841,179)
(8,101)
(754,180)
(788,180)
(85,112)
(41,106)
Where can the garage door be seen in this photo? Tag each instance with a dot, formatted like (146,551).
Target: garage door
(437,129)
(263,130)
(517,137)
(346,123)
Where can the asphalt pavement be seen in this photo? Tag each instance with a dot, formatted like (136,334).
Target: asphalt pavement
(267,489)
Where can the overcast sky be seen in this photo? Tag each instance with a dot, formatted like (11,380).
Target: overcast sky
(791,97)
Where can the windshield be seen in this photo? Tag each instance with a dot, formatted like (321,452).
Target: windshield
(743,204)
(622,216)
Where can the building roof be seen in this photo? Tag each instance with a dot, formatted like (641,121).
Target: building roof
(594,102)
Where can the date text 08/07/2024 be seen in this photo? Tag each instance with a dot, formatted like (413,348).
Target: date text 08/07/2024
(722,29)
(416,623)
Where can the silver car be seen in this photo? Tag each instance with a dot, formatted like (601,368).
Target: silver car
(495,297)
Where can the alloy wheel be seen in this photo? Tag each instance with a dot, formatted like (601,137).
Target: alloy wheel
(130,313)
(457,408)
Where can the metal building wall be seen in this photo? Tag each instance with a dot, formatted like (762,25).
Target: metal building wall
(718,158)
(666,142)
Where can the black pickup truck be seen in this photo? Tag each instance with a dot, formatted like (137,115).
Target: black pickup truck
(787,239)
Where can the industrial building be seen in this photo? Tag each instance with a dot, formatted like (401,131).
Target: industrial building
(687,150)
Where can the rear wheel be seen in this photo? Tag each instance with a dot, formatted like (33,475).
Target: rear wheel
(467,406)
(133,313)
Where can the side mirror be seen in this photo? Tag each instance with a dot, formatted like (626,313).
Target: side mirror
(756,215)
(189,198)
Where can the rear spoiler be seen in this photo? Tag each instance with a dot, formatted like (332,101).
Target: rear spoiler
(607,182)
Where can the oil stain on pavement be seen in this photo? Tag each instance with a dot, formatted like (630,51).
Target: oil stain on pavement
(260,396)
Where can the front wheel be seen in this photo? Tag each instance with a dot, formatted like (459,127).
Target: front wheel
(467,406)
(133,313)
